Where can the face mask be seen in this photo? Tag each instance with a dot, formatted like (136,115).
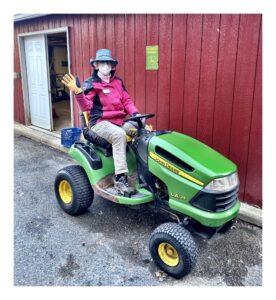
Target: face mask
(104,68)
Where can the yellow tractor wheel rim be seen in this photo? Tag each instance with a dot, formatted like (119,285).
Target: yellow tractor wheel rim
(65,191)
(168,254)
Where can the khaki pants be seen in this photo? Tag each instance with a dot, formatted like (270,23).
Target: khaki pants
(116,136)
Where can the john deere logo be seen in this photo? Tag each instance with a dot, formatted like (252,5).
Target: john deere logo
(172,168)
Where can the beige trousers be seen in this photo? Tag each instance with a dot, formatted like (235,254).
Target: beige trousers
(116,136)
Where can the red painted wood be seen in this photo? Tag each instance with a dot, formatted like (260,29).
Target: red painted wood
(140,62)
(31,25)
(79,61)
(56,21)
(16,81)
(177,71)
(152,75)
(225,82)
(50,23)
(79,43)
(72,38)
(101,31)
(243,94)
(253,185)
(164,72)
(21,113)
(40,24)
(85,46)
(119,53)
(208,75)
(23,29)
(18,96)
(129,54)
(109,33)
(192,74)
(16,50)
(63,20)
(93,46)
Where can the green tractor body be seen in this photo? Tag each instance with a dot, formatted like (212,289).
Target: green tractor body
(185,166)
(170,171)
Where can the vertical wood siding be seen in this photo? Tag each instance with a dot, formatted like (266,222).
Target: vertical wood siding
(208,85)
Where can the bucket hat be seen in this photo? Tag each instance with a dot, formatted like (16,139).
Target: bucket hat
(103,55)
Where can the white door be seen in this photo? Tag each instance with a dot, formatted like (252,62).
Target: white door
(38,81)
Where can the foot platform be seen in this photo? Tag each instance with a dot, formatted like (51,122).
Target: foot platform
(105,188)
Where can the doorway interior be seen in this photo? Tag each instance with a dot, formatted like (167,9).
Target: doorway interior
(58,67)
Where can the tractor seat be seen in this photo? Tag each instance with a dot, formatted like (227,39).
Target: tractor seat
(102,144)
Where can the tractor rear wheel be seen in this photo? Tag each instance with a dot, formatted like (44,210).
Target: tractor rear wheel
(73,190)
(173,249)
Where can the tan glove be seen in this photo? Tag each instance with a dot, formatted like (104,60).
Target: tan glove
(70,81)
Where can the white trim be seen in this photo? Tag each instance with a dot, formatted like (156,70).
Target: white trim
(49,84)
(22,17)
(47,31)
(69,70)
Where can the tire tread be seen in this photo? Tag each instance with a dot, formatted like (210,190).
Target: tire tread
(81,188)
(182,238)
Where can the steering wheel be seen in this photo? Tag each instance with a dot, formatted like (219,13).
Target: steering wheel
(137,118)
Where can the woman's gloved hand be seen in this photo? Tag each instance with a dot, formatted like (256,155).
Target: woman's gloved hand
(72,83)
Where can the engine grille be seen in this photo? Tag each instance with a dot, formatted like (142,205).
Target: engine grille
(215,202)
(226,200)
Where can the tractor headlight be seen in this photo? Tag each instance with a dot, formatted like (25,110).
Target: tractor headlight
(223,184)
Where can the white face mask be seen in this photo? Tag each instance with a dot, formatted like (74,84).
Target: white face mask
(104,68)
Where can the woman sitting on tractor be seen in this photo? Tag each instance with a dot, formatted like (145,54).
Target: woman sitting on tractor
(108,101)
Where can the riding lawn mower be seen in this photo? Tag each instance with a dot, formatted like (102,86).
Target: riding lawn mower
(171,172)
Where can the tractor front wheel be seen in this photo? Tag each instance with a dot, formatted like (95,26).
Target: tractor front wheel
(73,190)
(173,249)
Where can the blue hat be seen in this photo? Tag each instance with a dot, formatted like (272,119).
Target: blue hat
(103,55)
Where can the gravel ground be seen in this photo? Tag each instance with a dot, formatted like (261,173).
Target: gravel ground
(108,245)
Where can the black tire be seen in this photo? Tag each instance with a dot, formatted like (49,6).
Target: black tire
(78,194)
(176,237)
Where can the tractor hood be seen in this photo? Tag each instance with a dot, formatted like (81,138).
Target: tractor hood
(198,159)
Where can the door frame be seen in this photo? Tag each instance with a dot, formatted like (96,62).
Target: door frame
(23,67)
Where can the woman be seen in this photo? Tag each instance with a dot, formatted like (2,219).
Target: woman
(108,101)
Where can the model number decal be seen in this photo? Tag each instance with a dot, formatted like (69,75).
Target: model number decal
(178,196)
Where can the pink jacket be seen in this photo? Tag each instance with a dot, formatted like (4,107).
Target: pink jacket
(105,101)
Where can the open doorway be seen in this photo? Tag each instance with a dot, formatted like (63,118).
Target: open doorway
(58,66)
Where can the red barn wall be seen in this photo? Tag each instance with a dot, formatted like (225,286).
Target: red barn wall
(208,85)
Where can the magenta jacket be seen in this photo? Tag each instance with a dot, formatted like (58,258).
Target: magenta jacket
(105,101)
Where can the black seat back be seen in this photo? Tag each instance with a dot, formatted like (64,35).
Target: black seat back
(101,143)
